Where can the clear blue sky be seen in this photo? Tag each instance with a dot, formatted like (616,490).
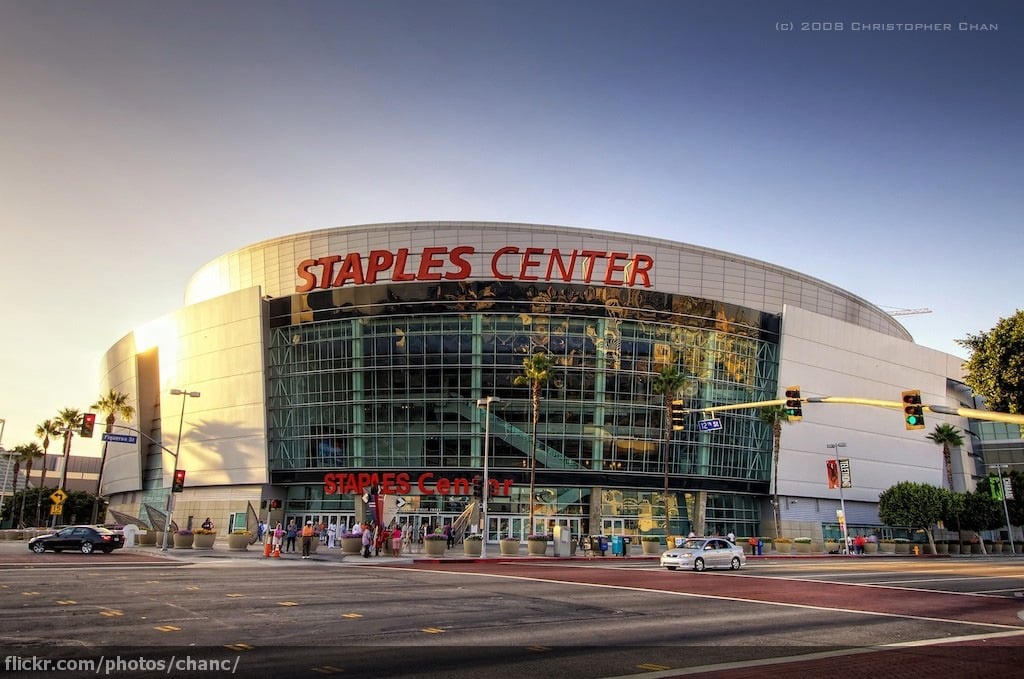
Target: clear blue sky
(142,139)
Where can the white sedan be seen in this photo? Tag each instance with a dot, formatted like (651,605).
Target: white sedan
(703,553)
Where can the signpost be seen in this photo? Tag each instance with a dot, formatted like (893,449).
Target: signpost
(714,424)
(120,438)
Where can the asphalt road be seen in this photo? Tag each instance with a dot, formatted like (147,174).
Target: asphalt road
(149,616)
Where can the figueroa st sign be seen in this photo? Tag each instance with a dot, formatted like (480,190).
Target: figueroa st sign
(454,264)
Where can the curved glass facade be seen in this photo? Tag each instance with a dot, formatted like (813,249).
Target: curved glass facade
(386,379)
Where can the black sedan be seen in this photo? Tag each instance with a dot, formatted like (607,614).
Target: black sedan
(84,539)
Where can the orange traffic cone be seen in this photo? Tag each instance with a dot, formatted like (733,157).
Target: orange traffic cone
(266,549)
(277,551)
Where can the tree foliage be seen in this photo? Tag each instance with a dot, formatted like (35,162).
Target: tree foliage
(914,505)
(995,369)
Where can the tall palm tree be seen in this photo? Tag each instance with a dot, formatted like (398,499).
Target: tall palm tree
(44,431)
(29,453)
(69,420)
(947,436)
(775,416)
(18,455)
(114,405)
(536,373)
(667,384)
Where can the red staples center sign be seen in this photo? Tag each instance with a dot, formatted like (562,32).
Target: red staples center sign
(453,264)
(402,483)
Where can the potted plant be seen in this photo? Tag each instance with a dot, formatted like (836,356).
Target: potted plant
(887,546)
(651,544)
(146,537)
(803,545)
(351,543)
(902,545)
(183,539)
(473,544)
(204,538)
(435,544)
(239,540)
(509,546)
(537,544)
(831,546)
(783,545)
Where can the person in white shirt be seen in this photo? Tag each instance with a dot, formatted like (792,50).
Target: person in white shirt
(332,531)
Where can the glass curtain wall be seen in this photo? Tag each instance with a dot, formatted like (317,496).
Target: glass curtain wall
(388,378)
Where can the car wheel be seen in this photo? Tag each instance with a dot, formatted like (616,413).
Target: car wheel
(735,563)
(39,547)
(87,548)
(698,565)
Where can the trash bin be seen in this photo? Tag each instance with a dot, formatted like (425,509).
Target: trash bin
(602,542)
(616,545)
(760,547)
(626,542)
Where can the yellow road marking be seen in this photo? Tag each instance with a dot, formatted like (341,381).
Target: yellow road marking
(286,603)
(66,602)
(327,669)
(351,615)
(111,612)
(653,667)
(168,628)
(239,647)
(432,630)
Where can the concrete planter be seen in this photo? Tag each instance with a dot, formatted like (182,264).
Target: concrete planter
(783,547)
(902,547)
(351,545)
(803,547)
(472,547)
(651,547)
(204,541)
(536,547)
(435,547)
(509,547)
(183,541)
(146,538)
(238,542)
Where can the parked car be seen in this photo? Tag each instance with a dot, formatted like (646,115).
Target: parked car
(702,553)
(84,539)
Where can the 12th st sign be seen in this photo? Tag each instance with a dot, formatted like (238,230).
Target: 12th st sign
(714,424)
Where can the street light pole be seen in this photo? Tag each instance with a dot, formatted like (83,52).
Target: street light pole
(177,449)
(485,403)
(842,500)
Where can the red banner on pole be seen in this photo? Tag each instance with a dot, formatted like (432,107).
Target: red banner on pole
(832,472)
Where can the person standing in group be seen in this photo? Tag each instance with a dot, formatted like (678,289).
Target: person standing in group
(278,538)
(367,540)
(261,528)
(396,541)
(332,532)
(449,535)
(290,535)
(307,539)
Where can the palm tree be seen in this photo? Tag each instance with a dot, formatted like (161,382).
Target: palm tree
(536,373)
(114,404)
(667,383)
(775,416)
(44,431)
(18,455)
(29,453)
(69,420)
(946,435)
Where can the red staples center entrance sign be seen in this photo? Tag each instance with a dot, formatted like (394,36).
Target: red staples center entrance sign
(454,264)
(403,483)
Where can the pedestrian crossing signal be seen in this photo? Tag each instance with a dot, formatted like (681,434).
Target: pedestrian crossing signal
(179,481)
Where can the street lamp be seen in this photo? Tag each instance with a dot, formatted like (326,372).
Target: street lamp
(177,449)
(842,500)
(485,403)
(1006,509)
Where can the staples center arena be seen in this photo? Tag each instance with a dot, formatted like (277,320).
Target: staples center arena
(322,366)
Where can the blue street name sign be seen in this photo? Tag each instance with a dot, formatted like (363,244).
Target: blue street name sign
(713,424)
(120,438)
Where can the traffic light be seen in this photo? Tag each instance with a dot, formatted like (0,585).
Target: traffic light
(179,481)
(913,412)
(678,416)
(88,422)
(477,488)
(794,407)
